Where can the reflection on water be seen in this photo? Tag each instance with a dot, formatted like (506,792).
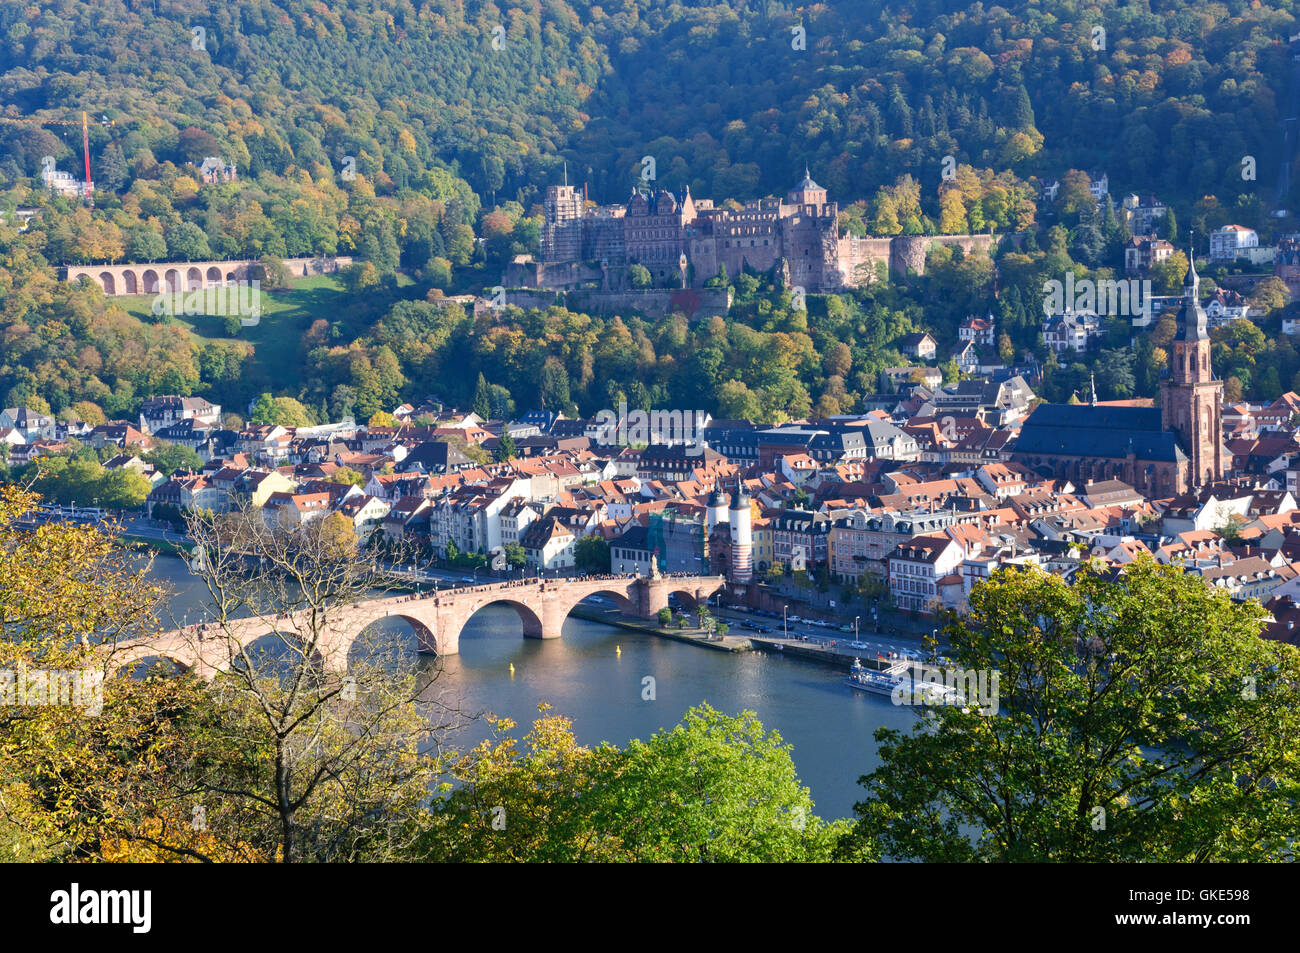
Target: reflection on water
(584,675)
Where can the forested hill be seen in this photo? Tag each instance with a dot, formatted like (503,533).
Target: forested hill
(729,97)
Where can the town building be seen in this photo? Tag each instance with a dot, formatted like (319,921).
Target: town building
(1161,451)
(977,330)
(1228,243)
(1142,212)
(1071,331)
(916,568)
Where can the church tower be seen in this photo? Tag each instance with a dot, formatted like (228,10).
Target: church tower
(1191,399)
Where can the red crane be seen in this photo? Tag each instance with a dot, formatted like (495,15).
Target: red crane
(84,122)
(85,145)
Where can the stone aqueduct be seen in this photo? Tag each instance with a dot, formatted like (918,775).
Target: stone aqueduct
(437,619)
(152,278)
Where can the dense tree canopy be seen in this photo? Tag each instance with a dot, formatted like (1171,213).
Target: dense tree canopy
(1139,719)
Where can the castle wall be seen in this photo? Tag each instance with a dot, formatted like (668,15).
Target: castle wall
(656,229)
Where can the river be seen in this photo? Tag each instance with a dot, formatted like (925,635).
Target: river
(595,675)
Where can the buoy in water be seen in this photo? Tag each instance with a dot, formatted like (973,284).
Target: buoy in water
(618,650)
(512,668)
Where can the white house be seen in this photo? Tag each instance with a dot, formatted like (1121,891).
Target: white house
(1071,331)
(30,424)
(977,330)
(917,565)
(1227,243)
(158,413)
(549,544)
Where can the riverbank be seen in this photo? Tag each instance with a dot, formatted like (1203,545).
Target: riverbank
(164,546)
(689,636)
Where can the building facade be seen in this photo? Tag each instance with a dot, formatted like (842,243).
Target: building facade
(1161,452)
(684,241)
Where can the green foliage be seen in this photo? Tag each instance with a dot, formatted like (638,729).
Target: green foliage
(506,449)
(591,554)
(1140,719)
(283,411)
(515,555)
(78,478)
(170,457)
(437,172)
(715,788)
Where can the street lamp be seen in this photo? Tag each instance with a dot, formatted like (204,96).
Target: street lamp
(855,628)
(785,626)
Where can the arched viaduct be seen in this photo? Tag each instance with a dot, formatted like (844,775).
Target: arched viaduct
(141,279)
(436,617)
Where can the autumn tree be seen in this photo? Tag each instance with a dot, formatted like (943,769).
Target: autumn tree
(88,771)
(332,764)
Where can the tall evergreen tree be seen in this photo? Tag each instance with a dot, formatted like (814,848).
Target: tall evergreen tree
(482,404)
(112,168)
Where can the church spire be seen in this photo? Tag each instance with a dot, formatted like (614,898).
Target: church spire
(1192,321)
(1192,281)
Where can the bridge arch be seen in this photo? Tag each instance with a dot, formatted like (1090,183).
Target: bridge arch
(129,284)
(143,664)
(267,649)
(528,616)
(369,641)
(688,598)
(110,284)
(193,280)
(214,276)
(436,620)
(620,600)
(150,281)
(172,278)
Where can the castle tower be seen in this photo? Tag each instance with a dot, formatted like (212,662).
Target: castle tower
(742,528)
(562,223)
(1191,399)
(807,193)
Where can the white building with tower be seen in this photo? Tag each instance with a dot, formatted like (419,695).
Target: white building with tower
(739,520)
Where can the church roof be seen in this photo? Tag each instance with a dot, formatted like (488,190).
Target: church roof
(1084,430)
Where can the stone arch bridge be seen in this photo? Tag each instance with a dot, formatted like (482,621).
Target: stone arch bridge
(437,618)
(171,276)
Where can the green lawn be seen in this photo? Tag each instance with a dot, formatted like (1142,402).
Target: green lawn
(286,316)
